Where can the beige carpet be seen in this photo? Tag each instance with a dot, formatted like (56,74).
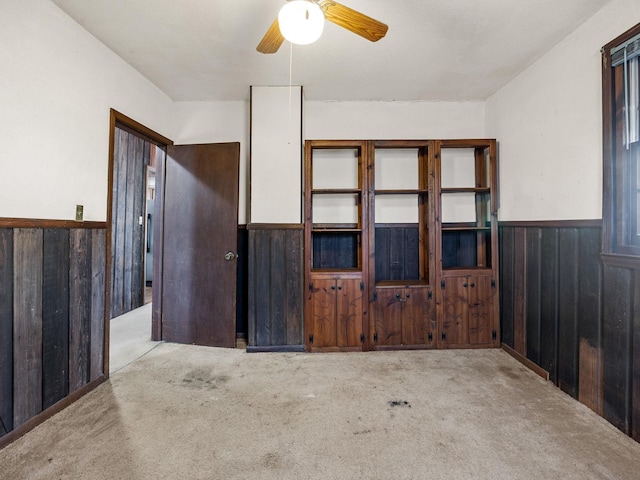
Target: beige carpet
(184,412)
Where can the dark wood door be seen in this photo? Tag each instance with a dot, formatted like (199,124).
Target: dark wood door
(480,310)
(388,317)
(199,242)
(323,313)
(349,313)
(418,326)
(455,323)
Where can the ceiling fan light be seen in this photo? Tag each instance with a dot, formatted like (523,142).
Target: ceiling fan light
(301,21)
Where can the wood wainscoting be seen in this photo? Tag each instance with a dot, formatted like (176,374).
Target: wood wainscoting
(52,310)
(574,313)
(275,281)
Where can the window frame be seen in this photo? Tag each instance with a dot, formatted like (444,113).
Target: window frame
(615,241)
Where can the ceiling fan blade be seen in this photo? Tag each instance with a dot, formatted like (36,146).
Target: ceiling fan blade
(272,40)
(354,21)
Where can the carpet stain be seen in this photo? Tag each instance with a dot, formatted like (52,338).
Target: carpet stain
(399,403)
(509,372)
(272,461)
(203,380)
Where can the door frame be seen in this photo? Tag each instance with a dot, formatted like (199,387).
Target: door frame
(140,130)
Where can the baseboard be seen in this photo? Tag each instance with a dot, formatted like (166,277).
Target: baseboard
(526,362)
(275,348)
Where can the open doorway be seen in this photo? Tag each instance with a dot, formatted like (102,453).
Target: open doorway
(135,152)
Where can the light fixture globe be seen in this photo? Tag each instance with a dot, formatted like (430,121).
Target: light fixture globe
(301,21)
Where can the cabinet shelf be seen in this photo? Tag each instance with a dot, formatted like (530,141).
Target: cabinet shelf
(335,229)
(466,229)
(329,191)
(465,190)
(401,192)
(402,283)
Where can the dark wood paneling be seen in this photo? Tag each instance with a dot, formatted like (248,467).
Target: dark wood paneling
(275,287)
(294,287)
(549,302)
(6,330)
(568,282)
(590,323)
(242,328)
(507,293)
(618,305)
(27,324)
(118,221)
(519,290)
(533,293)
(43,274)
(46,223)
(79,308)
(335,250)
(396,252)
(98,261)
(635,367)
(55,316)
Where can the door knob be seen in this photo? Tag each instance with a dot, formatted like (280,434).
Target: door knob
(230,256)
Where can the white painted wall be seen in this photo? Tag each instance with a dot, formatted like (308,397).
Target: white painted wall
(393,120)
(548,122)
(212,122)
(276,154)
(57,84)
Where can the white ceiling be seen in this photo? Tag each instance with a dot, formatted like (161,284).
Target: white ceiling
(435,50)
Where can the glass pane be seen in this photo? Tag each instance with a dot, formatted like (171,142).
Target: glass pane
(459,208)
(396,169)
(335,208)
(397,209)
(335,168)
(458,167)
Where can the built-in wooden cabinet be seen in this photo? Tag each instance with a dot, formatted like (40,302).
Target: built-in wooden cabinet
(400,244)
(466,230)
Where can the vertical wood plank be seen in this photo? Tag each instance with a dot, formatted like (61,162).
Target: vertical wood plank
(549,302)
(635,367)
(27,324)
(6,330)
(98,252)
(119,218)
(130,223)
(137,183)
(382,253)
(568,311)
(294,288)
(519,290)
(252,293)
(507,284)
(79,308)
(262,300)
(277,274)
(55,316)
(158,246)
(533,294)
(242,283)
(590,320)
(618,304)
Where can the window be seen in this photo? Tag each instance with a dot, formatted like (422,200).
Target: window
(621,135)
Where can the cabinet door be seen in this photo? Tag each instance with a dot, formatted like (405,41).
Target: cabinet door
(455,312)
(323,313)
(388,316)
(349,313)
(481,295)
(417,321)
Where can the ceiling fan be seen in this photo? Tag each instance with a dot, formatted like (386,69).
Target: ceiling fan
(345,17)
